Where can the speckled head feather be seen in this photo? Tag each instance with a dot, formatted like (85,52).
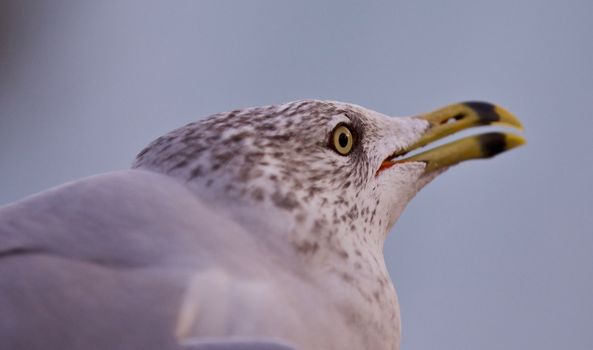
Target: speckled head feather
(275,171)
(281,156)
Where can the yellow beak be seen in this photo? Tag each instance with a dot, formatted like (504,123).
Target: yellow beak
(457,117)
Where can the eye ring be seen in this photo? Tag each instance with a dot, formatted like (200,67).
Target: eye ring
(342,140)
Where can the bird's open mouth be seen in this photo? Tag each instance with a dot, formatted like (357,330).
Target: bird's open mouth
(455,118)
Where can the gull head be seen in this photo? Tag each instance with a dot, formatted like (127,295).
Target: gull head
(327,175)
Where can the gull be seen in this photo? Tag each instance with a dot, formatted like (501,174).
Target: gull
(258,228)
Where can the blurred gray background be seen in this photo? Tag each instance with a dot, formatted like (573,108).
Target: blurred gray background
(492,255)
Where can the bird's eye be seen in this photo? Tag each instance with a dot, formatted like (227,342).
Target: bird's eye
(342,140)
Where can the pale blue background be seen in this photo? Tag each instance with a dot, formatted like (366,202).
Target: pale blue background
(492,255)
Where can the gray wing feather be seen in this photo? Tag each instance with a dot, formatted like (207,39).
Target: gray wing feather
(128,218)
(104,262)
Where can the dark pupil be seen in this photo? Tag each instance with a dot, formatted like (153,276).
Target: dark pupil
(343,140)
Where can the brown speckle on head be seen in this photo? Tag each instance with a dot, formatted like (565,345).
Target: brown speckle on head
(306,247)
(286,201)
(347,277)
(257,194)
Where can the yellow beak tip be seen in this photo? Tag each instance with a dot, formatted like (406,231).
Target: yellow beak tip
(513,140)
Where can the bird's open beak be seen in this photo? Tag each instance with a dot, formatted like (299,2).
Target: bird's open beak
(452,119)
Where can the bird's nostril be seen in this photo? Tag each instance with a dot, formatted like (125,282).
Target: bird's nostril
(453,119)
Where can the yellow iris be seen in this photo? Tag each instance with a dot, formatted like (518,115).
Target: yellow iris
(342,140)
